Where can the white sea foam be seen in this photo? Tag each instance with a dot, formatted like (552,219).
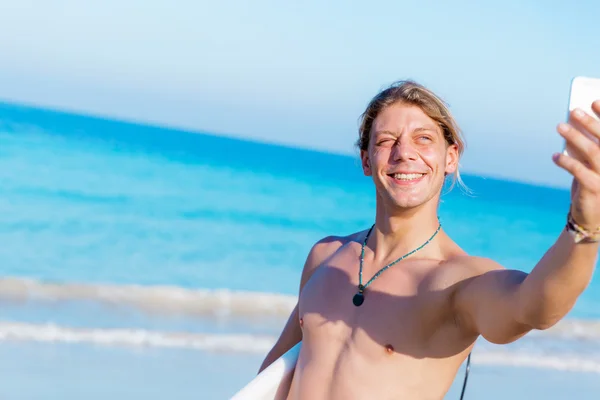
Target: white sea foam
(203,302)
(572,363)
(165,299)
(256,344)
(51,333)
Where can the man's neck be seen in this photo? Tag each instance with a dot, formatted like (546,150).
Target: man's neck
(402,231)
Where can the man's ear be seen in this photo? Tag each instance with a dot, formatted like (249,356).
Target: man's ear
(451,159)
(366,162)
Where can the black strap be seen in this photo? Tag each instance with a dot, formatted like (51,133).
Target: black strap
(462,394)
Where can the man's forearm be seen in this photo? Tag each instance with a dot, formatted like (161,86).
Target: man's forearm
(553,286)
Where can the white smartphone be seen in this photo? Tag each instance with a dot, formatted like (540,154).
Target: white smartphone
(584,91)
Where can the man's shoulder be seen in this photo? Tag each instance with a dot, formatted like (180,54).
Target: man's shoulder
(462,267)
(471,265)
(325,249)
(328,246)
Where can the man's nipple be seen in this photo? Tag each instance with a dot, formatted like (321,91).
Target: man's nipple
(301,322)
(389,349)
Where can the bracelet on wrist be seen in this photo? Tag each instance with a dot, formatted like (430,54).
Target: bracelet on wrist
(579,233)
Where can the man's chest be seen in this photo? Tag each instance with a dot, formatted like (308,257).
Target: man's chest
(399,307)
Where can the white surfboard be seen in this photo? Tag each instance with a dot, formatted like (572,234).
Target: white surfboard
(273,383)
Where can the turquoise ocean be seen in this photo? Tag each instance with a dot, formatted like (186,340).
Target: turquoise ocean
(142,262)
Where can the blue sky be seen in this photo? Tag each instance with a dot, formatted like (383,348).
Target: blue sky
(300,73)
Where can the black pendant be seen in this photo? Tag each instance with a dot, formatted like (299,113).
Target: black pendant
(358,299)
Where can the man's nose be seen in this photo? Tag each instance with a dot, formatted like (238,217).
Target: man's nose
(403,150)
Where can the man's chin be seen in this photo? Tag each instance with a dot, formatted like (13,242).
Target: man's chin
(403,203)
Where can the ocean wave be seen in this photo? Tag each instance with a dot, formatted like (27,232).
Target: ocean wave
(255,344)
(159,299)
(52,333)
(204,302)
(572,363)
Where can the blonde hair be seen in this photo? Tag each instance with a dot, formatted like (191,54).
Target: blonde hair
(412,93)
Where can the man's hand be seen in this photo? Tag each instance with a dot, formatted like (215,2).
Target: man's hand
(585,191)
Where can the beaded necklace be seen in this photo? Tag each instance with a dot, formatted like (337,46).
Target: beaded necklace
(359,297)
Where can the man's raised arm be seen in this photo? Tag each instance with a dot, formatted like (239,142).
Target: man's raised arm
(503,305)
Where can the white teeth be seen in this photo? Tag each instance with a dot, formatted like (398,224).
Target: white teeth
(407,177)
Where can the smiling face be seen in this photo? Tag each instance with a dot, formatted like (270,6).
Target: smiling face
(408,156)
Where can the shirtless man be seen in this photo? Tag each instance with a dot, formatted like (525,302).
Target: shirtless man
(405,334)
